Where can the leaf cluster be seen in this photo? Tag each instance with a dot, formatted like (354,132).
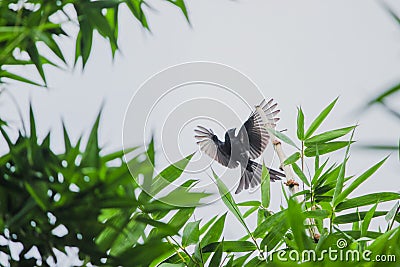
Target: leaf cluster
(25,25)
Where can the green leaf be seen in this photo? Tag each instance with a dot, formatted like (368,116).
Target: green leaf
(148,177)
(143,254)
(300,174)
(35,57)
(275,235)
(231,246)
(381,97)
(177,222)
(265,188)
(100,23)
(90,156)
(84,40)
(317,214)
(37,195)
(191,233)
(167,228)
(282,137)
(362,178)
(12,76)
(318,172)
(182,6)
(51,43)
(355,217)
(67,140)
(230,202)
(340,178)
(300,124)
(367,200)
(296,220)
(367,220)
(181,197)
(240,261)
(320,118)
(249,212)
(249,203)
(270,223)
(207,224)
(217,257)
(169,175)
(284,192)
(386,244)
(325,148)
(118,154)
(137,11)
(328,136)
(292,158)
(33,135)
(214,233)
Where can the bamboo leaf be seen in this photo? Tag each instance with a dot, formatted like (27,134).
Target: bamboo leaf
(214,233)
(362,178)
(182,6)
(300,174)
(320,118)
(367,200)
(355,217)
(328,136)
(300,124)
(36,59)
(249,212)
(282,137)
(292,158)
(230,202)
(265,187)
(340,179)
(217,257)
(169,175)
(191,233)
(270,223)
(325,148)
(296,220)
(249,203)
(367,220)
(12,76)
(231,246)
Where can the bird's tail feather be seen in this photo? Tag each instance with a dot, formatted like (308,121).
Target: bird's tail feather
(251,176)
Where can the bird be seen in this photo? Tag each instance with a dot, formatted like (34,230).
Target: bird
(243,147)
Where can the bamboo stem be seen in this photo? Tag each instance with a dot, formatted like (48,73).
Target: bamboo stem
(290,177)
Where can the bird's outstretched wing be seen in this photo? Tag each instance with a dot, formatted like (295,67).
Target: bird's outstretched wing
(214,148)
(253,133)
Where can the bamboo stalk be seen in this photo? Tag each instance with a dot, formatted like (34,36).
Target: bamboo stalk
(290,177)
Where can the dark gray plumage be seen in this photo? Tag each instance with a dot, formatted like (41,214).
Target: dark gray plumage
(249,143)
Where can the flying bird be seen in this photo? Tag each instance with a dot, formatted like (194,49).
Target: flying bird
(245,146)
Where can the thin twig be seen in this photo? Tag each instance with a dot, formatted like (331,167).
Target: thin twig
(183,249)
(177,251)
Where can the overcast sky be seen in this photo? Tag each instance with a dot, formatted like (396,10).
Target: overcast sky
(298,52)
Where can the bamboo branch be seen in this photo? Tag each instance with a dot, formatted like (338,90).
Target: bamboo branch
(290,177)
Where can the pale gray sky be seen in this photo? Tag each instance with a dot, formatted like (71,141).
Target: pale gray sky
(300,53)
